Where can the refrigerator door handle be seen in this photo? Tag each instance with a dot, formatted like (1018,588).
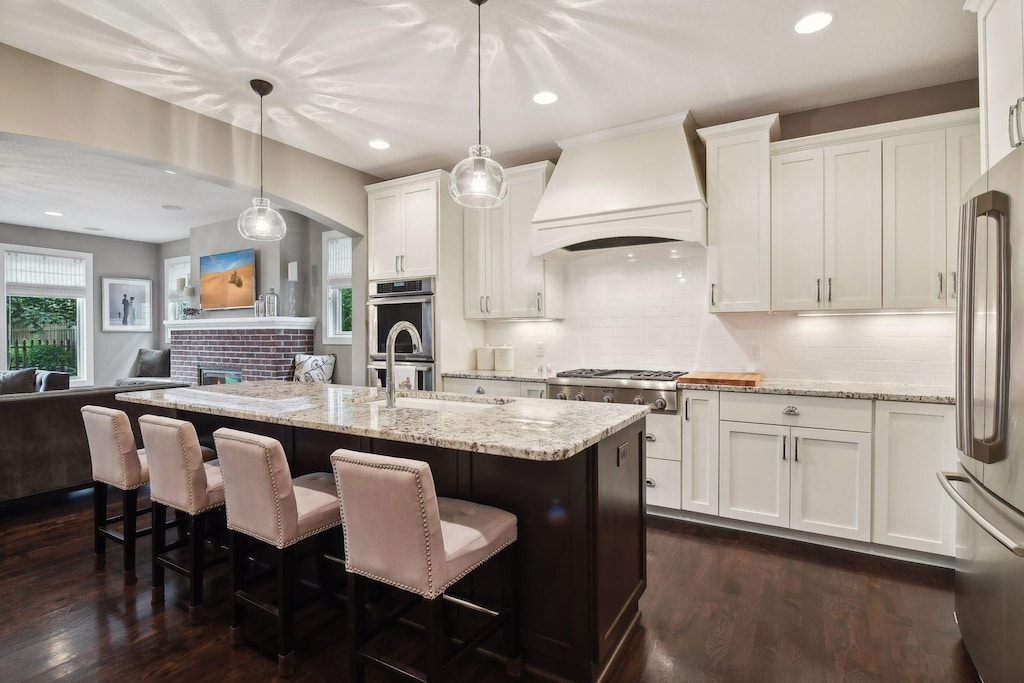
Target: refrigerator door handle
(947,479)
(991,447)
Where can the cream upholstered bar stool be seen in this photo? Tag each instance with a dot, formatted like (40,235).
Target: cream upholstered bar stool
(264,503)
(399,532)
(181,479)
(115,462)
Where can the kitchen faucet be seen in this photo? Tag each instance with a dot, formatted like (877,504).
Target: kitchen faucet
(389,366)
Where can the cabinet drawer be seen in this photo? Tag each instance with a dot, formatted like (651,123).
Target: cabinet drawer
(663,483)
(487,387)
(811,411)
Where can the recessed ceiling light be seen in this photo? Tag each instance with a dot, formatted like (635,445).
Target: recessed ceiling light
(170,207)
(815,21)
(379,144)
(91,229)
(53,213)
(545,97)
(170,171)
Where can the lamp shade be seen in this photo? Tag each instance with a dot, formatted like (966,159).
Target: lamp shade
(261,223)
(478,182)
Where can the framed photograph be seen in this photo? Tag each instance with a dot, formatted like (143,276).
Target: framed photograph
(227,280)
(127,305)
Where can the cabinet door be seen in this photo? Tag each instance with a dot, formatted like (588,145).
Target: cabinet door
(420,213)
(662,482)
(476,263)
(830,482)
(963,167)
(524,273)
(913,441)
(914,220)
(853,226)
(739,224)
(1002,72)
(797,245)
(700,452)
(754,473)
(385,234)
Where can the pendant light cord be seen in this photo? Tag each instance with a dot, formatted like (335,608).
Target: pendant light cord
(261,145)
(479,98)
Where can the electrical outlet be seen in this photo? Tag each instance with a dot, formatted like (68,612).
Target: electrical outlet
(540,349)
(755,352)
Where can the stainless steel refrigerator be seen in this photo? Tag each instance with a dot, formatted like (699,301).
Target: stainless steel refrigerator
(988,486)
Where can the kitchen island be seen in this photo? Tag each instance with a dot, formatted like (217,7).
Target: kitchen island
(572,473)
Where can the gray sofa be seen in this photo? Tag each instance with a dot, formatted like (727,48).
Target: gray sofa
(32,379)
(43,446)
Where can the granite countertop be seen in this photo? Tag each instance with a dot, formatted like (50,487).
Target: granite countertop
(506,375)
(528,428)
(862,390)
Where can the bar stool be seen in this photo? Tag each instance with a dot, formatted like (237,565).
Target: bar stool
(264,503)
(181,480)
(399,532)
(117,463)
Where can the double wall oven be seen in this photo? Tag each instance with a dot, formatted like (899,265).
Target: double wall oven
(393,302)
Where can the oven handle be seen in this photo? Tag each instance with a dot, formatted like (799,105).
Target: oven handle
(382,300)
(401,364)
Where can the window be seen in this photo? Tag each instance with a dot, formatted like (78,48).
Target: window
(337,300)
(177,268)
(48,318)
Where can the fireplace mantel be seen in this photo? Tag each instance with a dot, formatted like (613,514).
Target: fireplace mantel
(279,322)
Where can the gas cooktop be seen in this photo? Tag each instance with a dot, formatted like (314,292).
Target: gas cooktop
(651,375)
(656,388)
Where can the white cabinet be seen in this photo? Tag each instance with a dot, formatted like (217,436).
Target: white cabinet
(502,279)
(739,214)
(963,167)
(1001,75)
(662,440)
(913,441)
(796,462)
(404,219)
(699,492)
(495,387)
(827,227)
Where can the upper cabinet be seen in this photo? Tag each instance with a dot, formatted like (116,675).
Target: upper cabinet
(739,214)
(501,277)
(1001,75)
(404,217)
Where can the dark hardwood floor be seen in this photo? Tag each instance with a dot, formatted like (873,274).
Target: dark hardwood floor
(720,606)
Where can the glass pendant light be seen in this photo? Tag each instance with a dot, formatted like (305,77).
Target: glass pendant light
(260,222)
(478,181)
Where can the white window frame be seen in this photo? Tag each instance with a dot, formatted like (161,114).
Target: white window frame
(86,336)
(171,298)
(326,310)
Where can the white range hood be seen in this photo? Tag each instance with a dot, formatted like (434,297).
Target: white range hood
(627,185)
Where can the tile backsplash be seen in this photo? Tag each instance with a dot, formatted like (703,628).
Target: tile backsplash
(645,307)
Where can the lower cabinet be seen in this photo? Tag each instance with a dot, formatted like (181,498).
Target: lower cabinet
(662,442)
(495,387)
(912,442)
(700,452)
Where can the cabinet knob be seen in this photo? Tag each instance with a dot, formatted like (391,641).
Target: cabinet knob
(649,482)
(480,390)
(790,410)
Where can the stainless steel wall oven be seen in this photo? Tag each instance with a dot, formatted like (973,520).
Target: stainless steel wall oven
(396,301)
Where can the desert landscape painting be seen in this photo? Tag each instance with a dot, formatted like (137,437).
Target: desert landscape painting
(227,280)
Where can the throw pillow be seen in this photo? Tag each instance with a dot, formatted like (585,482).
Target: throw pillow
(18,381)
(309,368)
(153,363)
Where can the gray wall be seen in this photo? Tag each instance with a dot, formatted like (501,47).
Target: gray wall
(114,351)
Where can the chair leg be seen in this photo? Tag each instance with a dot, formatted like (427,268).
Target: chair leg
(356,590)
(510,601)
(159,548)
(99,519)
(131,510)
(236,560)
(285,611)
(437,639)
(195,577)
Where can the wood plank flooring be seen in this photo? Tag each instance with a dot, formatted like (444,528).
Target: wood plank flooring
(720,606)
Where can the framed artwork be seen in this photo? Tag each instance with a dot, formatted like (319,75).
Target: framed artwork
(127,305)
(227,280)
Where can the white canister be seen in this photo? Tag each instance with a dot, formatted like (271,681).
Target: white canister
(485,358)
(504,358)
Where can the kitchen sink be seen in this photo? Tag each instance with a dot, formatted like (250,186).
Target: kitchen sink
(452,404)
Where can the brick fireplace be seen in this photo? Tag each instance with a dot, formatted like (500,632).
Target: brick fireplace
(261,348)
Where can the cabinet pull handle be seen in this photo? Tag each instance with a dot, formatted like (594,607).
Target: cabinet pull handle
(790,410)
(1010,125)
(830,290)
(783,448)
(686,409)
(952,284)
(480,390)
(396,265)
(403,263)
(819,290)
(650,482)
(488,297)
(1017,109)
(538,302)
(940,283)
(712,293)
(796,449)
(650,437)
(482,304)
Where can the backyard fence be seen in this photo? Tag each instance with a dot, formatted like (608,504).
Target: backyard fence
(50,349)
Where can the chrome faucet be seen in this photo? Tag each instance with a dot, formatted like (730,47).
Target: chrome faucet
(389,366)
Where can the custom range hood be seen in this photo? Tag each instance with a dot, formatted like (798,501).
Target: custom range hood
(629,185)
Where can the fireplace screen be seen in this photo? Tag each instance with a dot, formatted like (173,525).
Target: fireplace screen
(212,375)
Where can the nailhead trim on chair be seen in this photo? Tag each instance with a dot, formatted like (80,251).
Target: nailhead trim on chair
(123,484)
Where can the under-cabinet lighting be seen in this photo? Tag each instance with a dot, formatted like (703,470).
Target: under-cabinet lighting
(814,22)
(823,314)
(53,213)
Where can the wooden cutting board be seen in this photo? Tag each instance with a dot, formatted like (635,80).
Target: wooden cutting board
(735,379)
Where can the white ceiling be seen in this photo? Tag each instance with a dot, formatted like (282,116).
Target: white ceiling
(347,71)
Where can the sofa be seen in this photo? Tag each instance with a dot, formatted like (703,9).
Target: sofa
(43,446)
(29,380)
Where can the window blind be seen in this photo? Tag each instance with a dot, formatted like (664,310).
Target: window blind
(44,275)
(339,263)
